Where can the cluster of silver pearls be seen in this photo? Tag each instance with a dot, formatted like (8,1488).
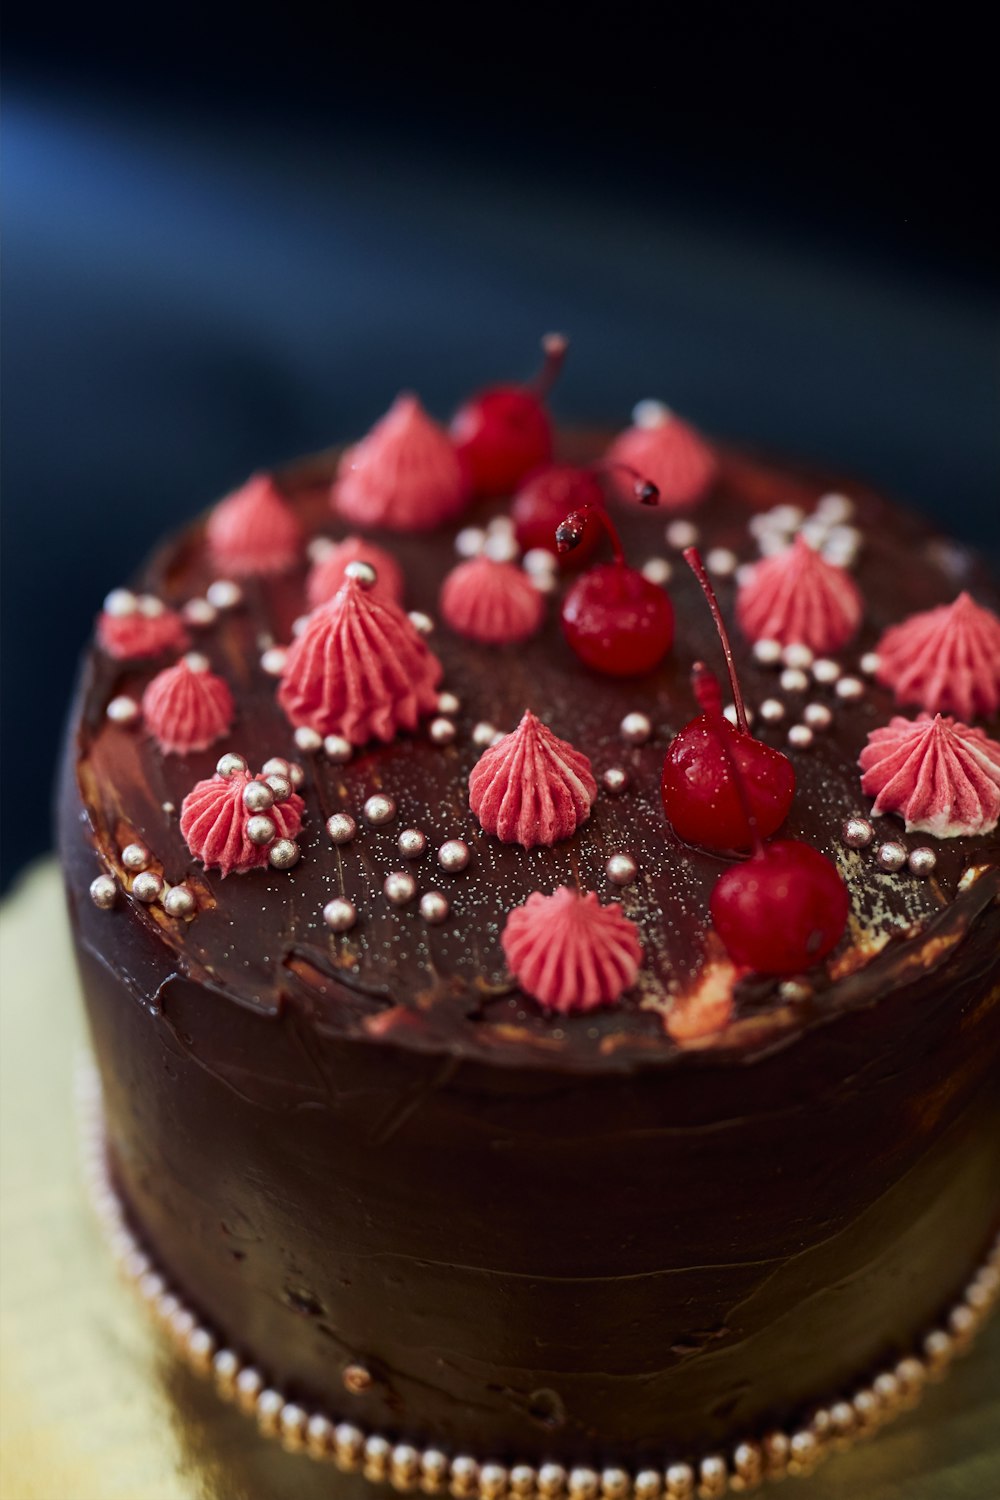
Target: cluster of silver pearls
(275,784)
(772,1456)
(892,855)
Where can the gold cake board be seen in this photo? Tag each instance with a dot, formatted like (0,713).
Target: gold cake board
(94,1405)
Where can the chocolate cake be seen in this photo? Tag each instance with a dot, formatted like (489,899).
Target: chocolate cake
(447,1089)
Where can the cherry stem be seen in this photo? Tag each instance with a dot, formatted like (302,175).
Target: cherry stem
(693,559)
(706,690)
(644,489)
(569,533)
(554,346)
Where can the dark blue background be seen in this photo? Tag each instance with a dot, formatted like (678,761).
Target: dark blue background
(224,250)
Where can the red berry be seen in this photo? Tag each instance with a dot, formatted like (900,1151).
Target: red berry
(617,621)
(505,432)
(782,910)
(545,499)
(700,797)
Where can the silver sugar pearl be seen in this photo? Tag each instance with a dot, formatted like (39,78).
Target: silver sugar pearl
(857,833)
(299,624)
(135,857)
(721,561)
(147,886)
(614,780)
(276,765)
(501,547)
(411,843)
(442,731)
(835,508)
(921,862)
(224,594)
(379,809)
(793,680)
(500,526)
(434,906)
(539,560)
(362,573)
(338,749)
(469,542)
(795,991)
(800,736)
(448,703)
(400,887)
(103,892)
(199,612)
(621,869)
(283,854)
(454,855)
(870,663)
(743,574)
(257,797)
(341,827)
(649,413)
(484,734)
(230,763)
(891,856)
(281,786)
(850,689)
(635,728)
(296,775)
(729,713)
(421,622)
(681,534)
(179,902)
(319,548)
(120,603)
(767,652)
(273,661)
(797,654)
(261,829)
(787,517)
(825,670)
(340,914)
(123,710)
(772,710)
(817,716)
(195,661)
(657,570)
(308,740)
(150,606)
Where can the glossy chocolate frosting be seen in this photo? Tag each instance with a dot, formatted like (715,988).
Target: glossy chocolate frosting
(575,1237)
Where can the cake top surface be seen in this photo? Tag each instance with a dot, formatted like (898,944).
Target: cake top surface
(393,923)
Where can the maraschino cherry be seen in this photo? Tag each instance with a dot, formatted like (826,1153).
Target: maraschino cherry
(545,498)
(783,909)
(700,798)
(505,432)
(616,621)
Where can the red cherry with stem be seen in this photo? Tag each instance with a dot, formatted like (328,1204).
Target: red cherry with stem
(545,499)
(505,432)
(786,907)
(700,798)
(615,620)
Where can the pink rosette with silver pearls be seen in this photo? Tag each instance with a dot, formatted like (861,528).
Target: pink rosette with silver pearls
(235,822)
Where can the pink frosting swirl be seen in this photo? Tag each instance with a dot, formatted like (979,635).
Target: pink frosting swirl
(494,603)
(532,787)
(570,953)
(405,474)
(671,454)
(946,658)
(326,575)
(359,669)
(254,530)
(150,629)
(798,598)
(940,776)
(214,824)
(186,707)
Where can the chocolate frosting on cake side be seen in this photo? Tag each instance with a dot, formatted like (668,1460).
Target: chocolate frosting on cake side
(571,1237)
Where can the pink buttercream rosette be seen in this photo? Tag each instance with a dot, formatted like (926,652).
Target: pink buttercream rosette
(570,953)
(938,775)
(405,474)
(532,787)
(254,531)
(670,454)
(945,659)
(797,597)
(494,603)
(186,707)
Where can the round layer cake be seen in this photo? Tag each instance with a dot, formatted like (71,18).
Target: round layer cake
(431,1189)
